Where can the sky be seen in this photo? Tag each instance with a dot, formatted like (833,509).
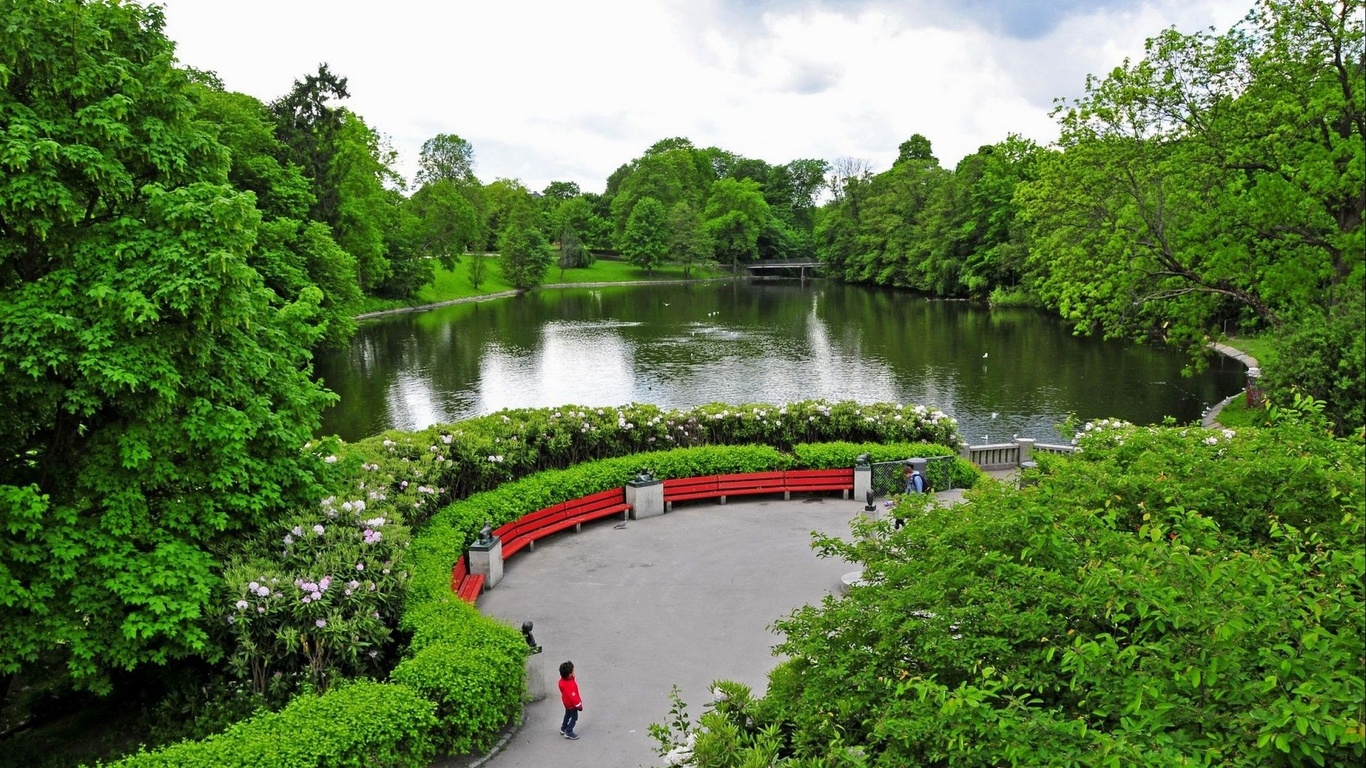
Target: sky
(548,90)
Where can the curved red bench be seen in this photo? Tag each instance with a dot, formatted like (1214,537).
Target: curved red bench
(525,530)
(749,483)
(465,584)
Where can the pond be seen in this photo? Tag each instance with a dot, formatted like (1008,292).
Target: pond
(999,372)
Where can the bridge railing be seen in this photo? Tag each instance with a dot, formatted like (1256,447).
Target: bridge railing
(993,457)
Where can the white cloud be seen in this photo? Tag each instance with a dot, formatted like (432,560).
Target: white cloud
(553,90)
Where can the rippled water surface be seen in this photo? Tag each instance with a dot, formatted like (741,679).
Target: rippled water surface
(999,372)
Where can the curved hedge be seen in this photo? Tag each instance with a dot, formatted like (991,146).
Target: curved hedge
(461,679)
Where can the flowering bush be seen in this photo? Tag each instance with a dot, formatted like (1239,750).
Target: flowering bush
(1168,596)
(425,470)
(322,605)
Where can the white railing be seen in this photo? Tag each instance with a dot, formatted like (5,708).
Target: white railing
(1012,455)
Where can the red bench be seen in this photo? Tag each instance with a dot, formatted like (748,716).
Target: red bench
(808,480)
(524,531)
(465,584)
(748,483)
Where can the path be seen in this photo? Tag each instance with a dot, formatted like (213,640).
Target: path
(682,599)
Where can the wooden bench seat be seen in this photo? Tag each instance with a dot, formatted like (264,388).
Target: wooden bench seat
(465,584)
(749,483)
(811,480)
(524,531)
(752,483)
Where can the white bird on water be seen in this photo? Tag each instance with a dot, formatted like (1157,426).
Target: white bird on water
(984,354)
(994,414)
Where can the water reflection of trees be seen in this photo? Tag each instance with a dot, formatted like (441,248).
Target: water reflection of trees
(755,341)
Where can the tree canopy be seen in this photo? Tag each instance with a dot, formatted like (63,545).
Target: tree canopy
(156,393)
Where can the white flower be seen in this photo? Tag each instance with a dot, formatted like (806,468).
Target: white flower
(1228,434)
(331,459)
(263,591)
(318,529)
(241,605)
(288,539)
(253,586)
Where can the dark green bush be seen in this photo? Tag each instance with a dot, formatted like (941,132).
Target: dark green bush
(1168,596)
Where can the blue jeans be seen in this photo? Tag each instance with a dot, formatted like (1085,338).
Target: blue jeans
(571,717)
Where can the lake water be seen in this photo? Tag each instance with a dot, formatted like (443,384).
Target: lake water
(998,372)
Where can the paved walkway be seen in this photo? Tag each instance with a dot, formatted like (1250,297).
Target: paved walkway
(682,599)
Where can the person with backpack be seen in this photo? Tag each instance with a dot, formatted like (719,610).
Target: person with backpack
(915,482)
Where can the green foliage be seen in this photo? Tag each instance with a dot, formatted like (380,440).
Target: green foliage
(477,686)
(292,252)
(735,215)
(156,393)
(311,604)
(445,157)
(645,243)
(360,725)
(523,255)
(688,242)
(1219,177)
(1324,358)
(1168,596)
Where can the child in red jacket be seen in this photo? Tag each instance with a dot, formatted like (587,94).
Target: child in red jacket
(569,695)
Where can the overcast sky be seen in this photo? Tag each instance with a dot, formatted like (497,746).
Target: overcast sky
(552,90)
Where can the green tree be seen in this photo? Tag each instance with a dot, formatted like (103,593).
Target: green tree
(915,148)
(575,221)
(445,223)
(646,241)
(689,244)
(523,253)
(292,251)
(736,214)
(366,219)
(156,399)
(1221,177)
(307,126)
(446,157)
(667,175)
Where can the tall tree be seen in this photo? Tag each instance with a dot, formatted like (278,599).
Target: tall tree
(646,241)
(523,254)
(292,251)
(365,218)
(1220,177)
(445,157)
(735,216)
(307,125)
(156,401)
(915,148)
(689,245)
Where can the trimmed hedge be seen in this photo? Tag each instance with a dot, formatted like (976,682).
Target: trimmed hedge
(462,678)
(360,725)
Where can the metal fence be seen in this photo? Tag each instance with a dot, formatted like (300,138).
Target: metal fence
(889,477)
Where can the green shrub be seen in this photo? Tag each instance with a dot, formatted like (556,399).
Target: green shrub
(1168,596)
(477,684)
(363,724)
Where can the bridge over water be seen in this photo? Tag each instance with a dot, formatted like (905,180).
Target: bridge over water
(799,264)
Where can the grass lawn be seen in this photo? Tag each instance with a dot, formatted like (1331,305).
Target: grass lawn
(1236,414)
(447,284)
(1257,346)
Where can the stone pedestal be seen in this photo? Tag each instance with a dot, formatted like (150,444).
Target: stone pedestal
(486,559)
(1026,449)
(535,676)
(646,496)
(863,483)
